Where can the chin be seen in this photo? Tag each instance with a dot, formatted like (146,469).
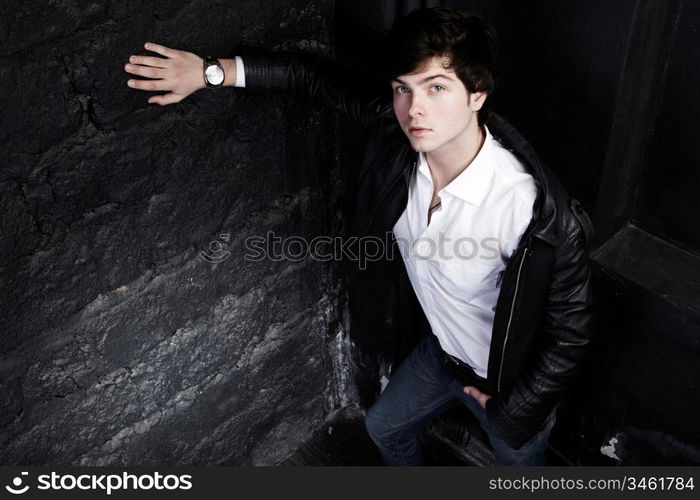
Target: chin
(422,146)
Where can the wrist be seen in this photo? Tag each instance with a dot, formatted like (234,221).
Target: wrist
(201,83)
(229,66)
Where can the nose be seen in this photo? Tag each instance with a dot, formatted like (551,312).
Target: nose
(417,107)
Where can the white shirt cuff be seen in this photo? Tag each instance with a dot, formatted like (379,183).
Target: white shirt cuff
(240,73)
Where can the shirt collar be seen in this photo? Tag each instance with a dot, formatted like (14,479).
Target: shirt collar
(472,184)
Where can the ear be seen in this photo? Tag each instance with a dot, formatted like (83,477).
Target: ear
(477,100)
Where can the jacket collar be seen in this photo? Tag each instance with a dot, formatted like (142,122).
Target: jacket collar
(544,222)
(550,193)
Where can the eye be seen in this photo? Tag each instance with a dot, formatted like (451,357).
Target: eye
(437,88)
(400,90)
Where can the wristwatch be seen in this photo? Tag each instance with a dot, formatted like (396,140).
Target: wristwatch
(213,73)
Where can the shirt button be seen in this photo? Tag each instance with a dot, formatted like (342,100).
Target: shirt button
(423,249)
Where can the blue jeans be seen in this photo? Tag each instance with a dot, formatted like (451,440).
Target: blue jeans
(421,389)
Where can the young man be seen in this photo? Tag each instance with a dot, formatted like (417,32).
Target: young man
(494,247)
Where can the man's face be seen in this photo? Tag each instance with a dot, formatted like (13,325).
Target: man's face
(434,108)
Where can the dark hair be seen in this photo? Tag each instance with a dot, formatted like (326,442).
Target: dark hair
(466,40)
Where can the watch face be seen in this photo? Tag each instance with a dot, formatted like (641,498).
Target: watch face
(215,75)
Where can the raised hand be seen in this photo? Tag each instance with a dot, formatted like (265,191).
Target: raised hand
(178,73)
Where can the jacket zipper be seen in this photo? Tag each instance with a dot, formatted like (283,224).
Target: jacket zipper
(510,318)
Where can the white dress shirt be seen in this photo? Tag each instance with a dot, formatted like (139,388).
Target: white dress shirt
(454,262)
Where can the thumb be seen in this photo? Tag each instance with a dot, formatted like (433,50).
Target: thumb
(165,99)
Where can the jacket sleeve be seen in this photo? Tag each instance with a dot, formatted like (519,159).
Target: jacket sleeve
(355,94)
(521,411)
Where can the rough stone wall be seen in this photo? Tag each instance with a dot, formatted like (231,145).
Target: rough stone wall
(134,331)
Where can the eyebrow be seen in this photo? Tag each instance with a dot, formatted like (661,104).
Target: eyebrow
(426,79)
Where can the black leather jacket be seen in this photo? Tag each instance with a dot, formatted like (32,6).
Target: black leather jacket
(543,318)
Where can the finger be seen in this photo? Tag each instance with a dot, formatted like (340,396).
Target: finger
(476,394)
(159,49)
(165,99)
(148,84)
(154,62)
(146,71)
(472,391)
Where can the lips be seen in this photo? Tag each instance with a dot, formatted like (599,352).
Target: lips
(418,131)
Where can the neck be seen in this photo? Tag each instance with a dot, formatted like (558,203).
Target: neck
(452,159)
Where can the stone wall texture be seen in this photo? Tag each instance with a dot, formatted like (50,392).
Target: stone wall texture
(134,331)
